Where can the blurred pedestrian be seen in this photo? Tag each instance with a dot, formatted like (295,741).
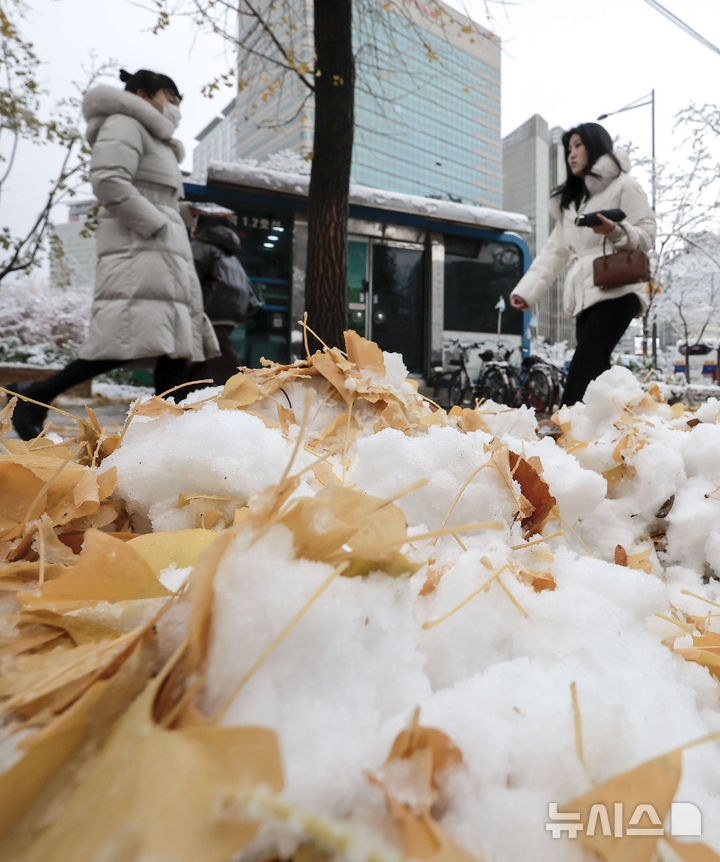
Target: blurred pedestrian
(227,291)
(597,179)
(225,286)
(147,302)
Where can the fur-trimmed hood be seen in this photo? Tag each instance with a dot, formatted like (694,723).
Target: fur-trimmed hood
(103,101)
(603,172)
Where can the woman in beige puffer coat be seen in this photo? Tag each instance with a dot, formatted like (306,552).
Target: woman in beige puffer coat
(148,302)
(597,179)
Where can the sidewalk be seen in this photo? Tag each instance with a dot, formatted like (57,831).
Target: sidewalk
(108,401)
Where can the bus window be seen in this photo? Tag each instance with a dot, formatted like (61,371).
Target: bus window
(478,272)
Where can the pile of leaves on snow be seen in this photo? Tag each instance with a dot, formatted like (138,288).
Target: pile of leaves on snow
(313,616)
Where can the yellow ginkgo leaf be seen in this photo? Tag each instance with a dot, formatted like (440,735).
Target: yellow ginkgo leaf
(644,792)
(107,569)
(692,852)
(155,793)
(181,548)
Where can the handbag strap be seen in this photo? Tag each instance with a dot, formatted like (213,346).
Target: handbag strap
(605,236)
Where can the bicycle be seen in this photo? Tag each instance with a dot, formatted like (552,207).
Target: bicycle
(454,386)
(541,384)
(535,383)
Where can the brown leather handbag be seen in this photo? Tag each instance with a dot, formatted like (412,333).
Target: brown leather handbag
(621,267)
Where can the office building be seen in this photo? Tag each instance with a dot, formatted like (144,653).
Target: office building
(427,106)
(533,164)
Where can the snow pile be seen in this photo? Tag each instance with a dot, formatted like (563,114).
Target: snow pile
(495,619)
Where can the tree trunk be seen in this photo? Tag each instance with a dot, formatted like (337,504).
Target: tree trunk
(326,276)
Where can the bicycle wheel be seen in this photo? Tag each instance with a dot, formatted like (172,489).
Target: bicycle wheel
(493,386)
(459,392)
(439,386)
(538,390)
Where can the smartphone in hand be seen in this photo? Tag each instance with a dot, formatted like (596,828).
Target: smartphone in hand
(592,220)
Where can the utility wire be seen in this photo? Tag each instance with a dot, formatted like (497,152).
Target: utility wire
(682,25)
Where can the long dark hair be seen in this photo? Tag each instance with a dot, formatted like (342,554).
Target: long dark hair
(148,81)
(598,143)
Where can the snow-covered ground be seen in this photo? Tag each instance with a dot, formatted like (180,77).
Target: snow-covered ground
(542,635)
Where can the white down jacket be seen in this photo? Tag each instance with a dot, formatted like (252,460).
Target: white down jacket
(148,300)
(572,249)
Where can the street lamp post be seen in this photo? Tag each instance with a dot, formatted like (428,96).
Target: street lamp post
(648,99)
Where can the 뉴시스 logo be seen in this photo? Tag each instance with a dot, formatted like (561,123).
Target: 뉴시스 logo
(685,821)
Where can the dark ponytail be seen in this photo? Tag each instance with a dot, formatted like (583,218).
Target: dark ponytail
(148,81)
(598,143)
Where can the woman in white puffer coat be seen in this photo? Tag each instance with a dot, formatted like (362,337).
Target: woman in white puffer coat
(148,302)
(597,179)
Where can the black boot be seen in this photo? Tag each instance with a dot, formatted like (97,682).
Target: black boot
(27,419)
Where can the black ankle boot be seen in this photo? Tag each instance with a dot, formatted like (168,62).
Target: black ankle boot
(27,419)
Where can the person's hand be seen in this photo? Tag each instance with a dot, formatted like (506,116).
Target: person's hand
(606,226)
(518,302)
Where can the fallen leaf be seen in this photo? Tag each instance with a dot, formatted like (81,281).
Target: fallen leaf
(705,651)
(664,510)
(615,475)
(368,530)
(6,415)
(677,409)
(393,416)
(363,353)
(692,852)
(434,575)
(165,799)
(155,407)
(641,560)
(241,390)
(653,783)
(325,365)
(536,490)
(539,581)
(50,757)
(418,755)
(339,434)
(181,548)
(107,569)
(442,750)
(22,496)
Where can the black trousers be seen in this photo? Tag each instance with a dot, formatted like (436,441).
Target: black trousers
(168,373)
(598,330)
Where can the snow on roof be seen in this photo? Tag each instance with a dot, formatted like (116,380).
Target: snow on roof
(250,175)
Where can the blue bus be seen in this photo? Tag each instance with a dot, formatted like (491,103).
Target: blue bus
(421,271)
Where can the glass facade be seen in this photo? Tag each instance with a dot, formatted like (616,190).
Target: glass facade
(429,126)
(427,108)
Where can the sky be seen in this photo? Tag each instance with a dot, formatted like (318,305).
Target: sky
(571,61)
(566,60)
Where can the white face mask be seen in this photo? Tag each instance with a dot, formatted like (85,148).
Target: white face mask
(172,112)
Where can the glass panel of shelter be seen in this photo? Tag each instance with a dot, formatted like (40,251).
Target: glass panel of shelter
(386,296)
(266,255)
(358,286)
(477,274)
